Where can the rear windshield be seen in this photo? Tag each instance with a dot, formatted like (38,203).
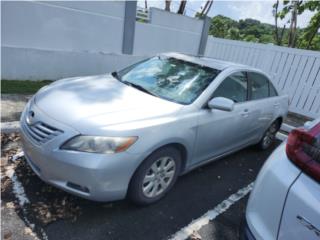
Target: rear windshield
(170,78)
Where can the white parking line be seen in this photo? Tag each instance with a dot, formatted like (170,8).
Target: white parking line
(196,224)
(287,128)
(21,196)
(281,136)
(17,187)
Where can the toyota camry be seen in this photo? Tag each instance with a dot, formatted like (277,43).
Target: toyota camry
(132,132)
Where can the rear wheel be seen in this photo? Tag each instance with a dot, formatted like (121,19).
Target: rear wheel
(269,136)
(155,177)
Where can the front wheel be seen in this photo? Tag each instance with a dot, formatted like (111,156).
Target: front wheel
(269,136)
(155,177)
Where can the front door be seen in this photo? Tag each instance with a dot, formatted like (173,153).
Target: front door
(222,131)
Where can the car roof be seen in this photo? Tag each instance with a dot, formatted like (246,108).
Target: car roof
(209,62)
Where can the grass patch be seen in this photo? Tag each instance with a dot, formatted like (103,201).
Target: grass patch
(22,87)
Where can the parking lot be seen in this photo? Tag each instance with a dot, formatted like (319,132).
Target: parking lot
(54,214)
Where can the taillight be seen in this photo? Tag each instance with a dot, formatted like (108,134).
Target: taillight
(304,150)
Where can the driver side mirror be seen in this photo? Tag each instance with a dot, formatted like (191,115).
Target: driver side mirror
(221,103)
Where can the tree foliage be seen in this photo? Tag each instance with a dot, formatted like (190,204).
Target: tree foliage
(252,30)
(309,37)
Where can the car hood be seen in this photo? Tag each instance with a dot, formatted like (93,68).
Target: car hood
(100,100)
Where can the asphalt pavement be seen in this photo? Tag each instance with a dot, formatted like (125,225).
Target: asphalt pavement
(53,214)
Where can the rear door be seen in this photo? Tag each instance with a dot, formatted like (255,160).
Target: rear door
(265,101)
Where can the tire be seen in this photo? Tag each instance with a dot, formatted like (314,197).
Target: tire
(269,136)
(155,176)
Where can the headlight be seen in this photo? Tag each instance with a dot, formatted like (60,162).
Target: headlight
(97,144)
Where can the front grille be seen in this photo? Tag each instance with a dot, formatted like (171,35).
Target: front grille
(40,132)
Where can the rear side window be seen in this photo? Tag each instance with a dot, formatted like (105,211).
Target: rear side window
(272,90)
(234,87)
(259,86)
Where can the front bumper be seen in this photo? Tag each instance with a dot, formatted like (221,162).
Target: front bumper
(99,177)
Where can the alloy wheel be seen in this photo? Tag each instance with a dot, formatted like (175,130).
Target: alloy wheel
(269,135)
(158,177)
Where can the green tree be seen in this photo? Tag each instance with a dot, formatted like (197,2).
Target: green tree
(254,31)
(296,8)
(233,33)
(250,38)
(220,26)
(266,38)
(310,33)
(278,34)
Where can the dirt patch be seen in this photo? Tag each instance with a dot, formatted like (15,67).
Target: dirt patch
(12,106)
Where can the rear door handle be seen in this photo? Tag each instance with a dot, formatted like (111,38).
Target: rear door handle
(245,113)
(276,105)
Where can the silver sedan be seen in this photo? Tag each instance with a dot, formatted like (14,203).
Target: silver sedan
(133,132)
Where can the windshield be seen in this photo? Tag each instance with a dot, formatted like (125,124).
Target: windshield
(169,78)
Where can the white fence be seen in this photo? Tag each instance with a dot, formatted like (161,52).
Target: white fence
(295,72)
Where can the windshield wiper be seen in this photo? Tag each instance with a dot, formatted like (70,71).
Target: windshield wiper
(138,87)
(116,76)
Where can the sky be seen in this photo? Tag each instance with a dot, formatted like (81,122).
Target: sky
(260,10)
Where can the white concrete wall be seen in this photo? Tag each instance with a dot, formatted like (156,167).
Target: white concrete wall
(107,8)
(149,39)
(94,26)
(172,20)
(54,39)
(39,64)
(51,40)
(167,32)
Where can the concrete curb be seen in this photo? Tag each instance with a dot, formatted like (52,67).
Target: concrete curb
(10,127)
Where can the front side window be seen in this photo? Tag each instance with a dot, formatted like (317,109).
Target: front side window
(259,86)
(169,78)
(234,87)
